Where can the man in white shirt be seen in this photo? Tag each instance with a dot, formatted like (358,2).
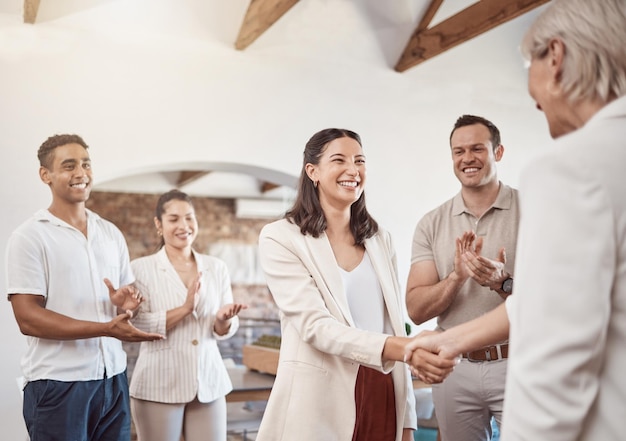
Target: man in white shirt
(63,265)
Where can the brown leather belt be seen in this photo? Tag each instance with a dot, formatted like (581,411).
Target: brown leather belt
(490,353)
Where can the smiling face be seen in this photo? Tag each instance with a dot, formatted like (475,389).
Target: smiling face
(178,224)
(473,156)
(69,174)
(340,173)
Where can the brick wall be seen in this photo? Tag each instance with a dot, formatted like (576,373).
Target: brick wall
(133,214)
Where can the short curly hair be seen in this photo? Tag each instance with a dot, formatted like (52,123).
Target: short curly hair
(46,151)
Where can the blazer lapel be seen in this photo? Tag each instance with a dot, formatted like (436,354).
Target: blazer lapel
(165,267)
(381,261)
(326,271)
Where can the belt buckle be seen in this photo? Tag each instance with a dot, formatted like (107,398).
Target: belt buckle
(469,357)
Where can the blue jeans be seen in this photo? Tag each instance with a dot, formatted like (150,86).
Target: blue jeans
(96,410)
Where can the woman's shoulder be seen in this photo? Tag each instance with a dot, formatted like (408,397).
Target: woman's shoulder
(144,260)
(210,261)
(279,227)
(381,234)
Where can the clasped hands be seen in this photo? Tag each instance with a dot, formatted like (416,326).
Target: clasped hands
(469,263)
(431,356)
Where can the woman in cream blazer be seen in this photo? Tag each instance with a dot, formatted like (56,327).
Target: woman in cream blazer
(323,353)
(179,384)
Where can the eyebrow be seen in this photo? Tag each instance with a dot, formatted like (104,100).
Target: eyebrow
(341,154)
(73,161)
(189,213)
(478,144)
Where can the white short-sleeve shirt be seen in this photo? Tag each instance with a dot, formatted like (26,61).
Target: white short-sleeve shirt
(48,257)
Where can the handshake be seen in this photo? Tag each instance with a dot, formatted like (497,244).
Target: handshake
(431,356)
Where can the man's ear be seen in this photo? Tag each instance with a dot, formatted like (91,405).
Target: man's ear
(498,152)
(44,175)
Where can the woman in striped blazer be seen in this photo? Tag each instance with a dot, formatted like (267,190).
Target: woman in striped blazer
(179,384)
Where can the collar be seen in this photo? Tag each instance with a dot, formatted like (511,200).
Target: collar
(44,215)
(504,201)
(164,263)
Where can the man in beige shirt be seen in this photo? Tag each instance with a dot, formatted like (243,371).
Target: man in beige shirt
(441,285)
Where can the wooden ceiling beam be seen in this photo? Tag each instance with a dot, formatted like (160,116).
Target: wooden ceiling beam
(31,7)
(429,15)
(187,177)
(261,14)
(267,186)
(472,21)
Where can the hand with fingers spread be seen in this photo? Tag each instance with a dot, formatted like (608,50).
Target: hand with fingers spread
(225,314)
(121,328)
(486,272)
(127,298)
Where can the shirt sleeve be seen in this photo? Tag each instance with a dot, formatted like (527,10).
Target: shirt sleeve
(25,269)
(421,247)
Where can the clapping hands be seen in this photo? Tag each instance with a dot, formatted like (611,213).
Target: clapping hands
(486,272)
(126,298)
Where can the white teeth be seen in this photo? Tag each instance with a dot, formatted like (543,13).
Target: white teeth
(81,186)
(349,184)
(470,170)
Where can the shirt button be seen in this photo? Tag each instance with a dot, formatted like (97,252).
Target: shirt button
(194,342)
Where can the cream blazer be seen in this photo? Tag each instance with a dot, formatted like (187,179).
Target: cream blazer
(188,362)
(321,350)
(565,377)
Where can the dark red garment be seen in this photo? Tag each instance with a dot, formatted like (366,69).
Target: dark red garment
(375,406)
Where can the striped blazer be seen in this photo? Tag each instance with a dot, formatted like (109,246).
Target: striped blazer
(188,362)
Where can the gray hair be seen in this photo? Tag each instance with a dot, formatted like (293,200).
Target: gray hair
(594,35)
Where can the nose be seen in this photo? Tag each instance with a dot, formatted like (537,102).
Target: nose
(468,156)
(353,169)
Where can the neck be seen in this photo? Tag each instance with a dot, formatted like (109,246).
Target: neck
(479,199)
(179,255)
(337,218)
(585,110)
(338,226)
(74,214)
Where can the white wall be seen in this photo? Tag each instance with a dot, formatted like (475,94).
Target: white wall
(145,99)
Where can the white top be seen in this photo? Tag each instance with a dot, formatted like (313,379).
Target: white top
(188,362)
(365,297)
(48,257)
